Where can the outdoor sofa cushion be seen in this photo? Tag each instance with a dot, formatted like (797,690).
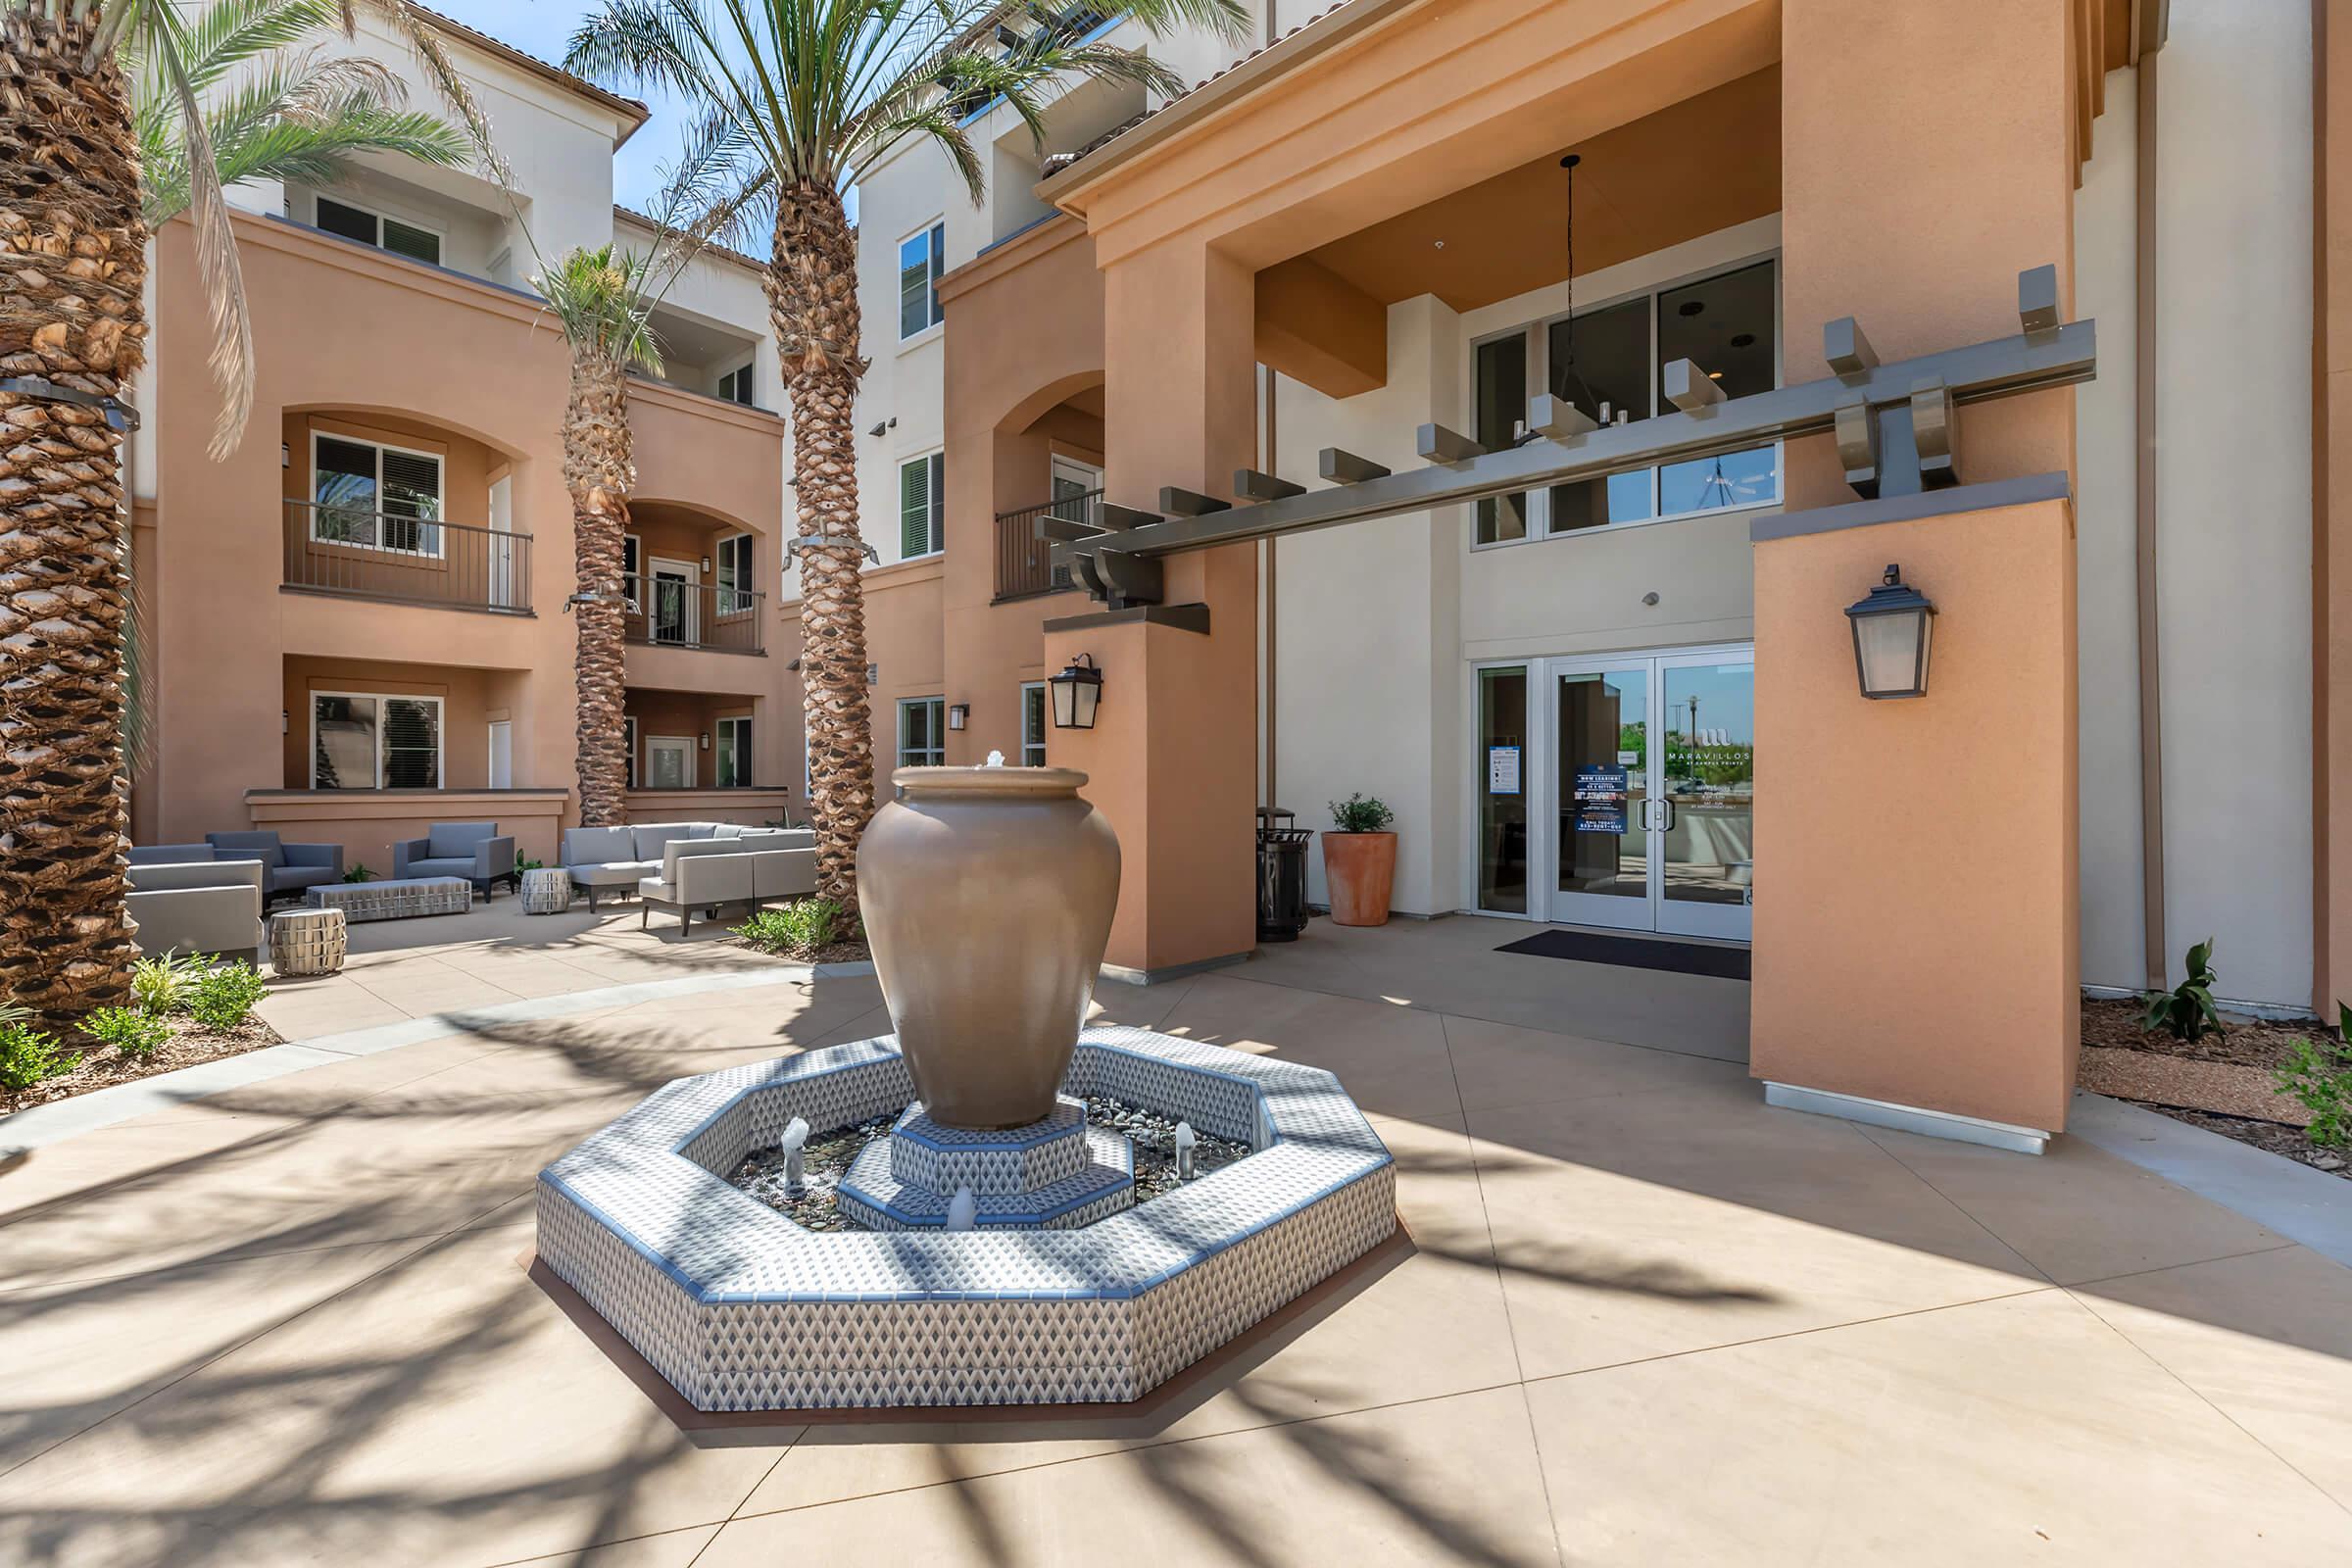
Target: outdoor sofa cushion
(613,874)
(457,841)
(652,837)
(263,846)
(291,866)
(168,853)
(598,846)
(188,906)
(455,865)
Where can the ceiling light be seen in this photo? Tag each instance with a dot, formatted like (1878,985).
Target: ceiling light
(1691,308)
(1743,341)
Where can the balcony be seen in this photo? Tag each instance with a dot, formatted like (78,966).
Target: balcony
(402,559)
(668,613)
(1024,561)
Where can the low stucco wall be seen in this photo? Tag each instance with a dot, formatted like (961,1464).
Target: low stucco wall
(368,822)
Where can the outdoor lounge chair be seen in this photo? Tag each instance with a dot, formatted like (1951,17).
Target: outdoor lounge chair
(208,906)
(710,873)
(287,869)
(474,851)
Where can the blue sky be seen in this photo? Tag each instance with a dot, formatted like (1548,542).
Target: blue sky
(544,27)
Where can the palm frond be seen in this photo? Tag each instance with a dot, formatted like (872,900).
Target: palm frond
(217,268)
(599,298)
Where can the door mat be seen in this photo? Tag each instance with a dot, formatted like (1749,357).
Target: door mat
(1635,952)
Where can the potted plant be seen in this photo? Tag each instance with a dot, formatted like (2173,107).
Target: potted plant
(1359,860)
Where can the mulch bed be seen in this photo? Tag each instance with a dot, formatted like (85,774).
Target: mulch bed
(2223,1082)
(833,952)
(103,1066)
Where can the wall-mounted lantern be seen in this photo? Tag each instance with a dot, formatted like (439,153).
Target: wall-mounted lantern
(958,714)
(1892,626)
(706,566)
(1077,691)
(706,740)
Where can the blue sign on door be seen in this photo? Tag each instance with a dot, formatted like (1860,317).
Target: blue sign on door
(1601,799)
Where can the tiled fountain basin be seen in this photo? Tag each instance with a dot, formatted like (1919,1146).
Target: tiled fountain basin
(741,1309)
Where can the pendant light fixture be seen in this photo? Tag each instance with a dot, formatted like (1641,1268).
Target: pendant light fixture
(1562,374)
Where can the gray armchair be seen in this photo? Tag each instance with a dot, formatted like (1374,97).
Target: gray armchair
(287,869)
(208,906)
(474,851)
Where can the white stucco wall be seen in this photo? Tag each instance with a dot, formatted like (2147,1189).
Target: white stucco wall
(2106,553)
(2234,490)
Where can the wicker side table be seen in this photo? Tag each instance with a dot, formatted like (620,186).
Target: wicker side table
(546,889)
(307,942)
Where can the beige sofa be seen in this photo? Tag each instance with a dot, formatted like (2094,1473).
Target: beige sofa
(708,873)
(615,860)
(186,906)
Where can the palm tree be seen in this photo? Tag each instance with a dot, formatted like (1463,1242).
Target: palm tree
(73,232)
(809,95)
(603,299)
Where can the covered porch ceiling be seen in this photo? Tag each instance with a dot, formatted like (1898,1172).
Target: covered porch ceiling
(1696,166)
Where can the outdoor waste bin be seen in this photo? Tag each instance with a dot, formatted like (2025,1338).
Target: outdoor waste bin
(1281,875)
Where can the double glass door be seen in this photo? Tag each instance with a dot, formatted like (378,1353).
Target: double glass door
(1620,790)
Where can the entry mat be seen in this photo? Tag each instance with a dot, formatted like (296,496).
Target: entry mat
(1635,952)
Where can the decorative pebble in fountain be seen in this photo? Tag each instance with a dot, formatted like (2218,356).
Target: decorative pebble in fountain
(994,1265)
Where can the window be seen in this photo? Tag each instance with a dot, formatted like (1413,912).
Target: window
(1612,368)
(362,740)
(1033,723)
(374,497)
(919,266)
(923,500)
(412,240)
(735,386)
(628,737)
(922,731)
(734,754)
(735,574)
(632,558)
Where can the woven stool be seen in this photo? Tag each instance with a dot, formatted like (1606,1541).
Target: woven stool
(546,889)
(307,942)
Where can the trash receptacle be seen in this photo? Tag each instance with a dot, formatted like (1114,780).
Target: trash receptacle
(1281,875)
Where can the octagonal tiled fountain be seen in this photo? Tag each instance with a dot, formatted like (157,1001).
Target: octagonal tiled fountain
(1061,1290)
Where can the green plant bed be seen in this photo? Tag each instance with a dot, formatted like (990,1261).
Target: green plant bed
(183,1010)
(807,930)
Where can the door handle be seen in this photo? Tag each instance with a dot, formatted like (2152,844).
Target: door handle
(1667,826)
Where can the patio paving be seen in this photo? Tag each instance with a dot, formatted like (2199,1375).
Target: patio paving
(1643,1317)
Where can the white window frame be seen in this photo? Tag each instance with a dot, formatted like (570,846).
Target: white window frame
(685,742)
(440,735)
(628,737)
(740,376)
(1538,334)
(1045,718)
(741,725)
(434,528)
(935,484)
(936,755)
(632,587)
(934,237)
(733,599)
(440,235)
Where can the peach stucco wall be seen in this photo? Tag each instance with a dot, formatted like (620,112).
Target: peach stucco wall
(349,338)
(1915,938)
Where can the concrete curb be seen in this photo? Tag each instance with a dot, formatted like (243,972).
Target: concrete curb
(2303,1205)
(61,1119)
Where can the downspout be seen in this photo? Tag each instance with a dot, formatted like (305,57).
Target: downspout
(1270,557)
(2151,686)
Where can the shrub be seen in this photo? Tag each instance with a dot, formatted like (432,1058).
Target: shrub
(1359,814)
(2187,1008)
(225,996)
(159,986)
(133,1031)
(2319,1075)
(801,927)
(528,863)
(359,873)
(27,1057)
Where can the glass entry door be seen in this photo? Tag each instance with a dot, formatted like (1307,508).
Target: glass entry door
(1638,778)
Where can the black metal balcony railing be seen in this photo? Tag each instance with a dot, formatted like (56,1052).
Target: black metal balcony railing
(336,548)
(666,611)
(1024,561)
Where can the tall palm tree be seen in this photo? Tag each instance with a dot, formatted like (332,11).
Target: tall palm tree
(809,95)
(604,300)
(74,233)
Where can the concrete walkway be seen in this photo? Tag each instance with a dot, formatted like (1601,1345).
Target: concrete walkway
(1645,1319)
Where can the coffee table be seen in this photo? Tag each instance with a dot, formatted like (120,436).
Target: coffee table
(397,899)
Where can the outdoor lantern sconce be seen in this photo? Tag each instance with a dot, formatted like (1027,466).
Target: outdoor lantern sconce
(958,713)
(1891,630)
(1076,692)
(706,740)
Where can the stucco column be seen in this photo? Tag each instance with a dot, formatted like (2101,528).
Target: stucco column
(1916,896)
(1173,758)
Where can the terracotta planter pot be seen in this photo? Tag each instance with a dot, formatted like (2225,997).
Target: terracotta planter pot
(1359,869)
(988,894)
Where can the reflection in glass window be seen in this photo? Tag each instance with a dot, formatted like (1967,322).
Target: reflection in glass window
(1724,325)
(1602,367)
(1501,371)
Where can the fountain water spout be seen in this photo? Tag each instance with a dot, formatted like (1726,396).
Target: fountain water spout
(1185,1139)
(796,1137)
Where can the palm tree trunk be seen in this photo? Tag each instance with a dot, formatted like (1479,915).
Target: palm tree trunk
(812,300)
(73,251)
(599,471)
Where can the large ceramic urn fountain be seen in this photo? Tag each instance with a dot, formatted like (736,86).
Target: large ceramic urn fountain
(988,894)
